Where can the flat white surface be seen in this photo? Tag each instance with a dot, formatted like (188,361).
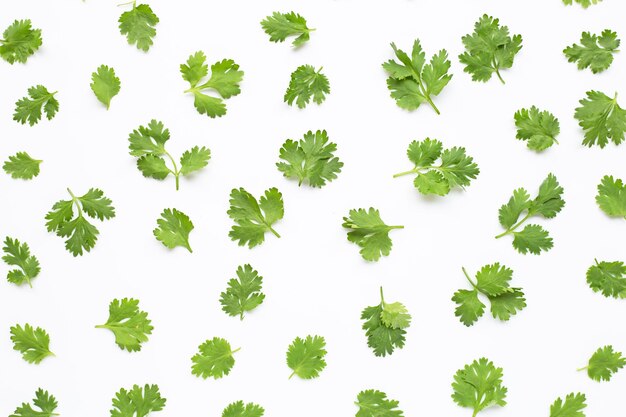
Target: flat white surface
(314,279)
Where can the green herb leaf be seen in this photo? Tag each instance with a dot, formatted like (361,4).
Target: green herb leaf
(384,326)
(538,128)
(138,25)
(374,403)
(214,359)
(32,343)
(282,25)
(173,229)
(595,52)
(306,356)
(29,108)
(604,363)
(105,84)
(22,166)
(369,231)
(253,219)
(307,83)
(611,196)
(239,409)
(130,325)
(479,386)
(602,119)
(243,294)
(138,401)
(45,403)
(584,3)
(571,407)
(19,41)
(609,278)
(18,254)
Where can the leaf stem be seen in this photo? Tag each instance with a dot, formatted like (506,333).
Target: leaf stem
(382,298)
(582,369)
(468,278)
(176,172)
(292,374)
(76,202)
(515,226)
(273,231)
(395,227)
(500,76)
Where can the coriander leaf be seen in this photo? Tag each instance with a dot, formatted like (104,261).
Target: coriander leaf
(214,359)
(105,84)
(369,231)
(584,3)
(194,160)
(19,41)
(455,170)
(130,325)
(45,402)
(305,83)
(395,315)
(173,229)
(412,81)
(533,238)
(595,52)
(572,406)
(243,294)
(469,307)
(29,108)
(22,166)
(374,403)
(489,49)
(138,401)
(282,25)
(479,386)
(507,304)
(32,343)
(239,409)
(306,356)
(601,118)
(611,196)
(18,254)
(138,25)
(604,363)
(384,326)
(81,234)
(310,159)
(224,81)
(538,128)
(254,219)
(609,278)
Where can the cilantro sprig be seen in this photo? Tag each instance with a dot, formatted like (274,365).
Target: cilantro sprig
(583,3)
(611,197)
(32,342)
(45,403)
(374,403)
(602,119)
(478,386)
(105,84)
(19,41)
(18,254)
(306,83)
(305,357)
(604,363)
(239,409)
(253,219)
(138,25)
(608,278)
(137,401)
(22,166)
(282,25)
(385,326)
(29,108)
(538,128)
(572,406)
(243,293)
(173,229)
(214,359)
(595,51)
(368,231)
(128,323)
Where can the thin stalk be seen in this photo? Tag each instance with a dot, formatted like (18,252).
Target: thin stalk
(583,368)
(382,298)
(515,226)
(272,230)
(468,278)
(176,172)
(425,92)
(76,202)
(500,76)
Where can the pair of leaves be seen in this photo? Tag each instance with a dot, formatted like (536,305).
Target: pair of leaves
(609,278)
(80,233)
(45,403)
(18,254)
(601,118)
(310,159)
(305,357)
(147,143)
(374,403)
(604,363)
(548,203)
(611,196)
(214,359)
(412,81)
(243,293)
(456,168)
(138,25)
(105,84)
(369,231)
(479,386)
(29,108)
(282,25)
(572,406)
(239,409)
(385,326)
(253,219)
(33,343)
(307,83)
(584,3)
(173,229)
(19,41)
(22,166)
(137,401)
(492,281)
(130,325)
(595,52)
(538,128)
(224,80)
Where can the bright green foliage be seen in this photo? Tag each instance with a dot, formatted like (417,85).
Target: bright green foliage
(584,3)
(604,363)
(18,254)
(239,409)
(489,49)
(173,229)
(28,109)
(138,25)
(369,231)
(214,359)
(130,325)
(385,326)
(310,159)
(306,357)
(243,293)
(32,343)
(253,219)
(224,80)
(45,403)
(19,41)
(22,166)
(456,169)
(305,83)
(282,25)
(538,128)
(548,203)
(492,281)
(105,84)
(609,278)
(81,234)
(611,196)
(602,119)
(138,401)
(479,386)
(595,52)
(412,81)
(374,403)
(572,406)
(147,143)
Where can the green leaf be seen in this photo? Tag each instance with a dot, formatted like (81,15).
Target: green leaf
(609,278)
(584,3)
(611,196)
(32,343)
(532,239)
(510,212)
(22,166)
(479,386)
(489,49)
(469,307)
(395,315)
(384,326)
(595,52)
(105,84)
(239,409)
(173,229)
(214,359)
(572,406)
(194,159)
(549,201)
(19,41)
(138,25)
(130,325)
(604,363)
(369,231)
(306,356)
(493,279)
(601,118)
(374,403)
(29,108)
(253,219)
(538,128)
(18,254)
(45,403)
(243,294)
(307,83)
(507,304)
(282,25)
(310,159)
(138,401)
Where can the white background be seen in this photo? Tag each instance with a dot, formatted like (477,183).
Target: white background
(314,279)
